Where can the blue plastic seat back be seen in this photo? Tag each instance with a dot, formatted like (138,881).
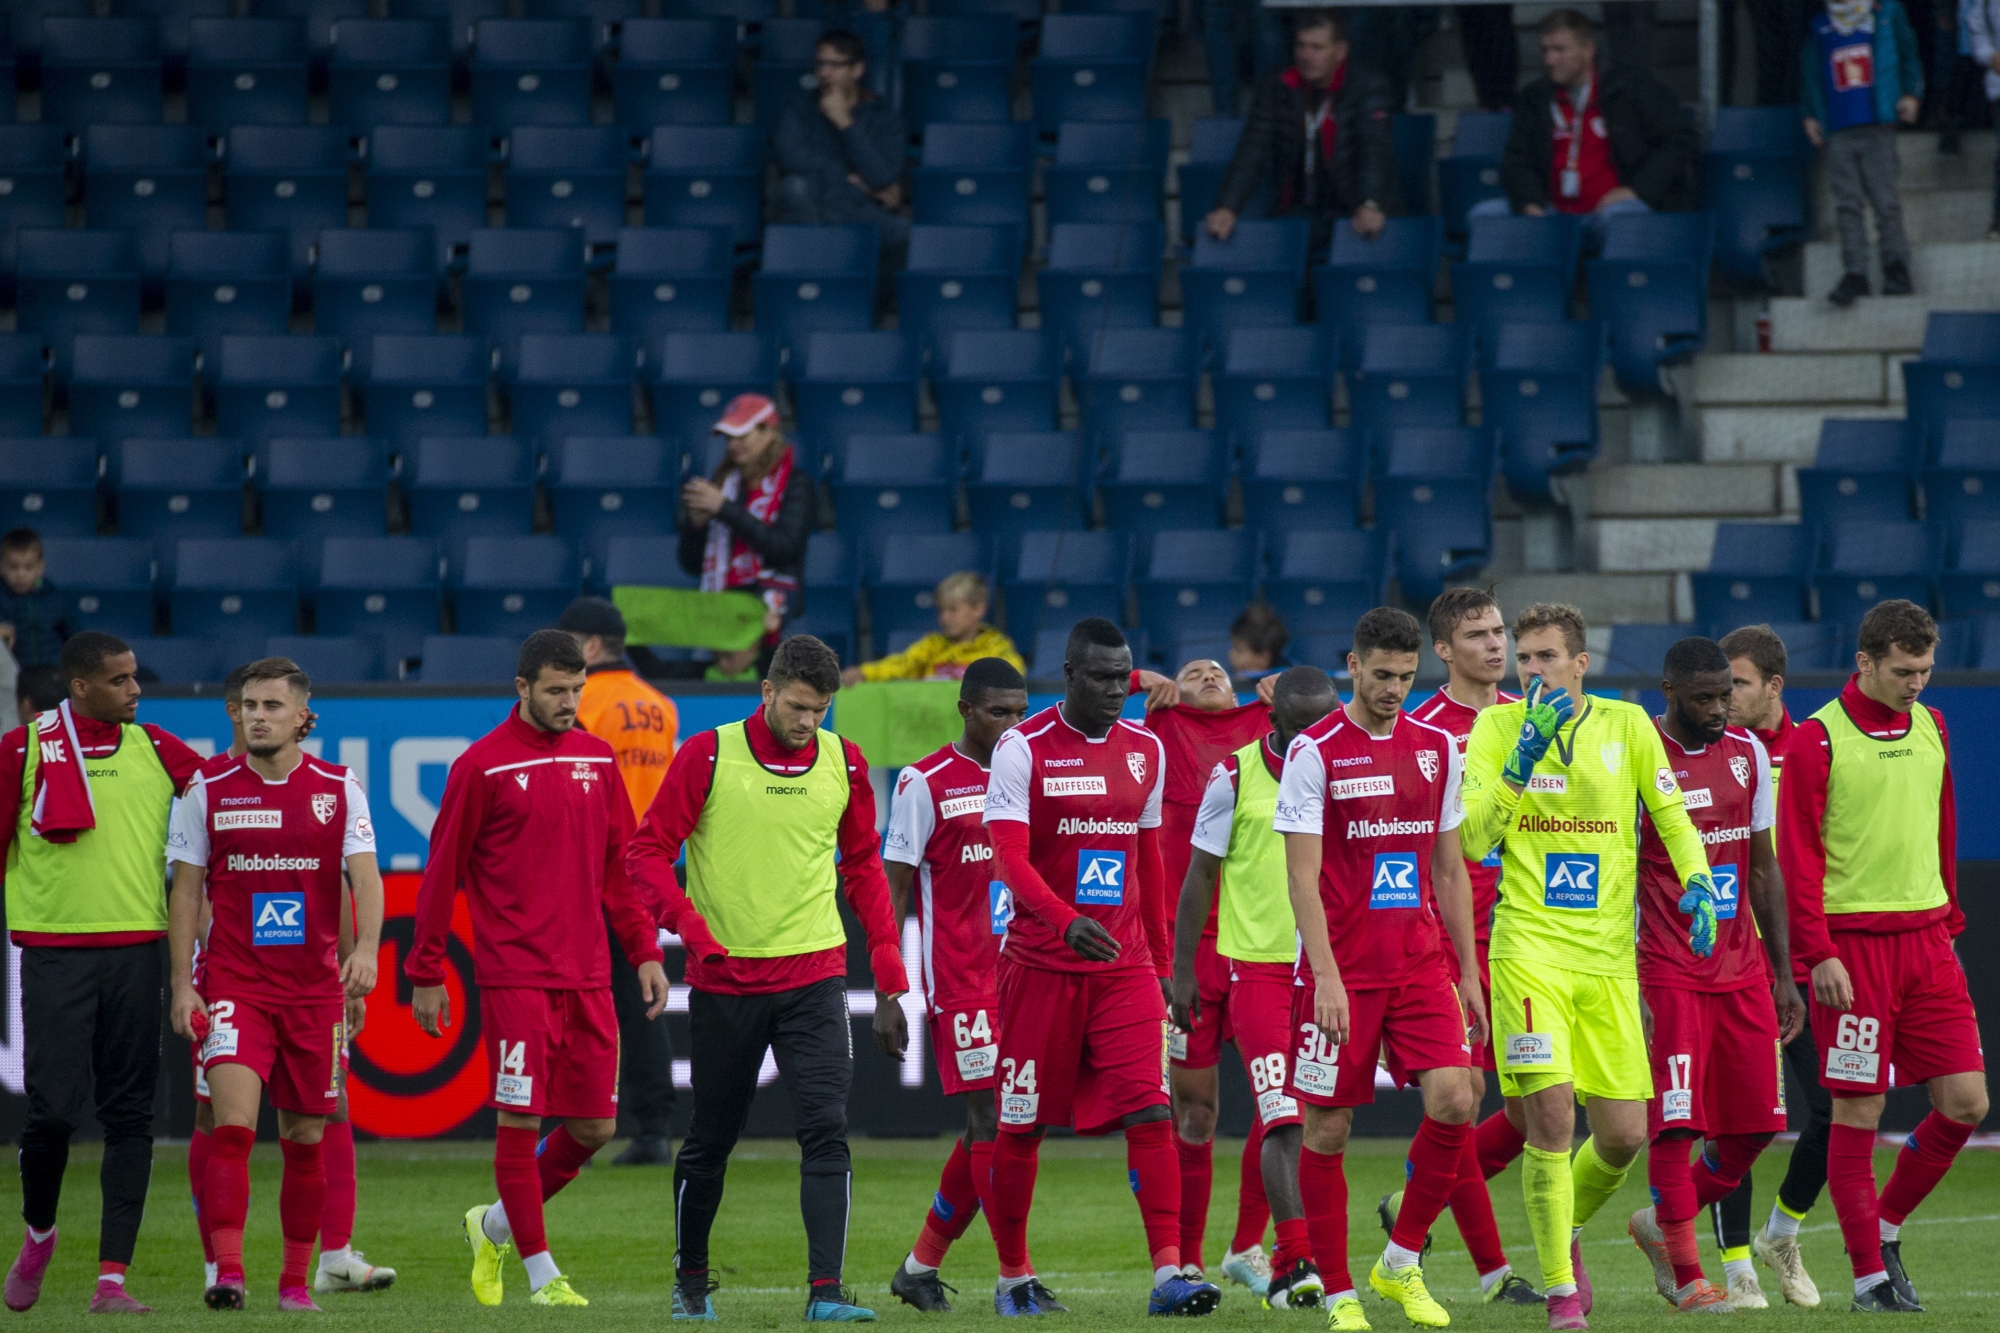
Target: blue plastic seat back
(170,489)
(973,175)
(221,283)
(1108,171)
(1641,650)
(287,178)
(1059,577)
(1414,142)
(1325,579)
(647,562)
(855,383)
(1100,276)
(521,280)
(1410,375)
(1302,480)
(1864,444)
(958,278)
(674,71)
(1195,582)
(1388,280)
(1517,270)
(321,17)
(75,282)
(381,587)
(1165,479)
(1251,281)
(1968,336)
(377,280)
(1210,150)
(957,68)
(1757,130)
(1443,528)
(123,386)
(285,384)
(1139,379)
(1428,451)
(1970,583)
(700,372)
(310,489)
(670,280)
(707,176)
(390,72)
(531,72)
(1539,394)
(1549,241)
(1021,482)
(236,590)
(903,571)
(814,280)
(1964,486)
(34,161)
(1941,392)
(568,176)
(419,386)
(150,179)
(101,71)
(1091,67)
(334,660)
(429,176)
(1650,290)
(108,581)
(999,380)
(608,486)
(49,485)
(181,660)
(1471,173)
(246,72)
(1867,561)
(895,483)
(24,364)
(1756,572)
(468,659)
(460,487)
(573,384)
(512,585)
(1273,379)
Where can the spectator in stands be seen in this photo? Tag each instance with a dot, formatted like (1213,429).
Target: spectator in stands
(841,149)
(963,637)
(1862,73)
(1323,130)
(32,623)
(1594,141)
(1257,643)
(1980,20)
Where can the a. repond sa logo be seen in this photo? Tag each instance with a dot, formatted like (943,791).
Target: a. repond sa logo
(1571,880)
(1725,891)
(1395,880)
(1100,878)
(277,918)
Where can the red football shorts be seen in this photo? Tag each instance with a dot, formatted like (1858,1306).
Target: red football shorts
(1482,1056)
(1416,1026)
(1717,1064)
(1201,1047)
(200,1074)
(294,1048)
(553,1052)
(965,1040)
(1911,1012)
(1079,1049)
(1260,1022)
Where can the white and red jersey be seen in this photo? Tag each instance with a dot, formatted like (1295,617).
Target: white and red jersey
(1441,710)
(1728,791)
(937,823)
(1084,801)
(1379,804)
(273,852)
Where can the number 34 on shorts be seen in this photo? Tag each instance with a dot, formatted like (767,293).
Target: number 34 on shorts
(1855,1056)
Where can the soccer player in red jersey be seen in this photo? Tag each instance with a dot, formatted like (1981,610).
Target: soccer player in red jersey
(1073,808)
(532,828)
(1719,1017)
(1369,805)
(267,836)
(1867,837)
(937,856)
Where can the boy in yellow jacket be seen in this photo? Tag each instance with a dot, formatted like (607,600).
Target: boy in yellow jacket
(963,638)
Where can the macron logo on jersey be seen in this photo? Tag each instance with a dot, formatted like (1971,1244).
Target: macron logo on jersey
(1100,878)
(1395,881)
(277,918)
(1570,880)
(228,819)
(1079,786)
(1725,891)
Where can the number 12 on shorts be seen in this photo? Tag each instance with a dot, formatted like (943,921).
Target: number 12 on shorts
(1854,1057)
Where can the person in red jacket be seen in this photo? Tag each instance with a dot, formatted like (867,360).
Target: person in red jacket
(1867,841)
(532,829)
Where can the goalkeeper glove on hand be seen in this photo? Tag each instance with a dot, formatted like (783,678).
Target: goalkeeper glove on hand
(1545,715)
(1698,903)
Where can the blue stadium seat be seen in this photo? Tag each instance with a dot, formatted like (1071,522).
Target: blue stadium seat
(235,590)
(1100,276)
(602,15)
(181,660)
(1163,479)
(1867,445)
(1091,67)
(1409,375)
(674,71)
(381,587)
(1471,173)
(246,71)
(829,593)
(372,281)
(1028,13)
(1061,577)
(1971,337)
(1754,175)
(1024,482)
(49,485)
(1539,390)
(227,282)
(894,484)
(24,364)
(282,385)
(1861,472)
(1302,479)
(815,280)
(1414,142)
(24,19)
(312,489)
(573,384)
(903,572)
(513,585)
(783,67)
(707,176)
(76,282)
(670,280)
(128,385)
(468,659)
(458,487)
(1650,291)
(33,161)
(328,660)
(1274,379)
(108,580)
(1195,583)
(1964,485)
(1139,379)
(700,372)
(1389,280)
(957,69)
(101,71)
(1322,581)
(973,176)
(174,488)
(530,72)
(1252,280)
(149,179)
(958,278)
(291,179)
(646,562)
(1756,572)
(1003,380)
(175,17)
(608,486)
(1641,650)
(568,176)
(390,72)
(1436,496)
(1867,561)
(321,17)
(1941,391)
(1970,583)
(1436,451)
(1112,171)
(519,280)
(1517,270)
(418,386)
(852,384)
(1210,150)
(429,176)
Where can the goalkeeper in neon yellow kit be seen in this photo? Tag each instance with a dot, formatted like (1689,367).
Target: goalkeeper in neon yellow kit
(1556,781)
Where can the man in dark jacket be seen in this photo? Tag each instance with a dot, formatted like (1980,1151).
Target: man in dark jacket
(1321,133)
(840,149)
(1594,142)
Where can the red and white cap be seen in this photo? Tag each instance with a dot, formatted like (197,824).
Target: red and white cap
(745,412)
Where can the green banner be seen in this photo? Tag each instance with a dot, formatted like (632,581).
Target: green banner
(898,722)
(685,618)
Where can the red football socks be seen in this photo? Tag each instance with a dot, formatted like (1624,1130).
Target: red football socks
(1435,1155)
(301,1203)
(228,1197)
(1323,1183)
(520,1185)
(198,1149)
(1850,1179)
(1723,1163)
(1015,1157)
(560,1159)
(1253,1210)
(982,1178)
(1472,1209)
(1499,1143)
(1674,1206)
(1294,1244)
(951,1210)
(1926,1155)
(1156,1180)
(1197,1167)
(336,1223)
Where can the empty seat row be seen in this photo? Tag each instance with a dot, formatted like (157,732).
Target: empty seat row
(1781,571)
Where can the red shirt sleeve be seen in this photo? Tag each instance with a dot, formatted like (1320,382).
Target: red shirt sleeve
(861,877)
(1947,834)
(1031,893)
(460,813)
(638,935)
(175,756)
(1155,905)
(13,765)
(1802,843)
(650,857)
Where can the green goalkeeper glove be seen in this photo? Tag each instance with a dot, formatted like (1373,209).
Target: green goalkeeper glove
(1544,718)
(1698,903)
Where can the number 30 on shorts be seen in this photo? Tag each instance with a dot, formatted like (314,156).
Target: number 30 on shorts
(1854,1056)
(1317,1069)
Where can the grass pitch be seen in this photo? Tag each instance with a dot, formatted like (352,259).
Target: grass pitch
(612,1232)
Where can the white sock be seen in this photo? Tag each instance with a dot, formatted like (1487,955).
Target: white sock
(1782,1224)
(1890,1230)
(1562,1289)
(118,1278)
(1487,1281)
(915,1269)
(209,1271)
(1735,1268)
(1395,1256)
(541,1267)
(494,1224)
(1864,1285)
(332,1258)
(1163,1274)
(1009,1283)
(40,1236)
(1338,1295)
(1574,1232)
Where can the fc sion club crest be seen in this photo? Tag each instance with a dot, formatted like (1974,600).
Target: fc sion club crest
(1136,761)
(1427,760)
(323,806)
(1739,768)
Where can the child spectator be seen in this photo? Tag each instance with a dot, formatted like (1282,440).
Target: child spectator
(31,610)
(1862,73)
(963,638)
(1257,643)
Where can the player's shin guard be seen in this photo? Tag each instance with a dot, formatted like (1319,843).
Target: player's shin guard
(301,1203)
(336,1222)
(1436,1154)
(1015,1158)
(198,1150)
(1595,1181)
(228,1197)
(1725,1160)
(1499,1143)
(951,1210)
(1155,1172)
(520,1188)
(1549,1194)
(1197,1168)
(558,1161)
(1472,1209)
(1675,1205)
(1323,1188)
(1925,1156)
(1253,1208)
(1850,1178)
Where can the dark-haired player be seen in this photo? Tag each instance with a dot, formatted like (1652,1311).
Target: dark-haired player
(937,856)
(533,828)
